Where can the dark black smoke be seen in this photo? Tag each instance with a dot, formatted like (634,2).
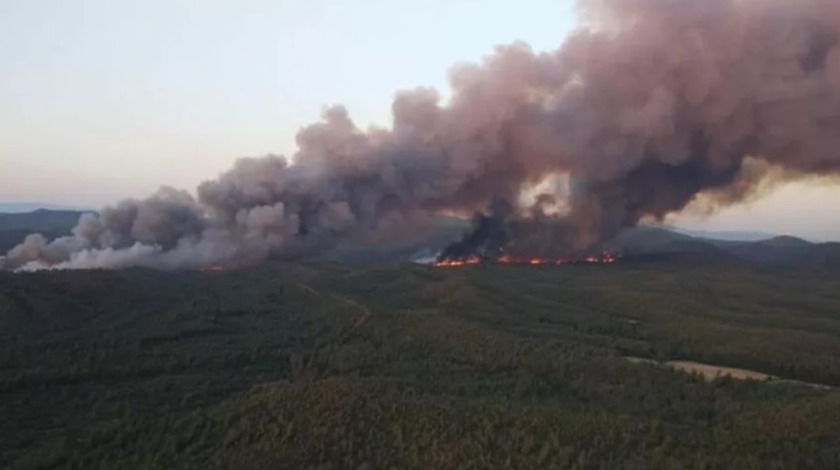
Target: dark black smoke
(488,238)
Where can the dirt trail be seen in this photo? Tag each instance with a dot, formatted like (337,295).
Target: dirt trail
(364,316)
(711,372)
(364,312)
(300,372)
(307,288)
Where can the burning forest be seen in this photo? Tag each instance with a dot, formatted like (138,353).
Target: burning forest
(646,107)
(602,259)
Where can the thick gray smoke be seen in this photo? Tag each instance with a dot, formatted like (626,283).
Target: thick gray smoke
(648,104)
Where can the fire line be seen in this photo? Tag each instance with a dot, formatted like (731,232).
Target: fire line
(604,259)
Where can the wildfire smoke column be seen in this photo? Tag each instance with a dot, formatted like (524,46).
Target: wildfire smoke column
(648,104)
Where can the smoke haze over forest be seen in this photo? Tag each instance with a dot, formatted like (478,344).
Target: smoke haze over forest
(647,107)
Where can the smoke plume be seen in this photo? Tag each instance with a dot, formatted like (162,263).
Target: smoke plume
(648,104)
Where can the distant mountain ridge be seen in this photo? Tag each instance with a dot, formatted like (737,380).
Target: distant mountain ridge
(782,250)
(22,207)
(14,227)
(41,220)
(729,235)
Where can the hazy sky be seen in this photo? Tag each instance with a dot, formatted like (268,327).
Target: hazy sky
(103,99)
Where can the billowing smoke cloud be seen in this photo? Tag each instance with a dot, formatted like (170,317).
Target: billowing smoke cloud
(648,104)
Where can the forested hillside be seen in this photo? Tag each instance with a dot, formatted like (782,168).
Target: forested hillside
(412,367)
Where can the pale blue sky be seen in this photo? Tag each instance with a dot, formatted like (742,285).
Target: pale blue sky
(102,99)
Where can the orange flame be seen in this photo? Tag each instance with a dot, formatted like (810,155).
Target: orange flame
(452,263)
(603,259)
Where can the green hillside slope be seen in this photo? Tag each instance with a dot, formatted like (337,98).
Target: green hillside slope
(411,367)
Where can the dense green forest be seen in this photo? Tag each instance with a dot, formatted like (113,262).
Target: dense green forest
(411,367)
